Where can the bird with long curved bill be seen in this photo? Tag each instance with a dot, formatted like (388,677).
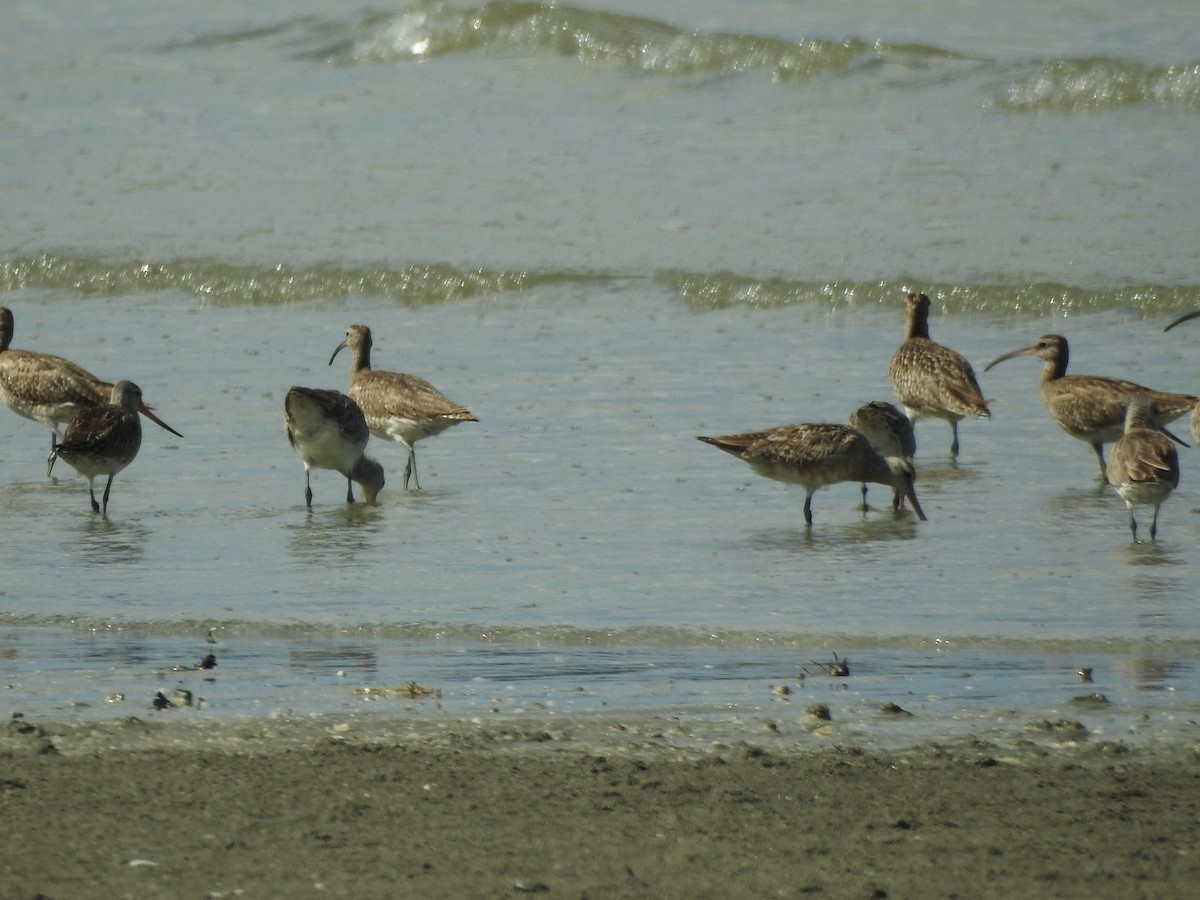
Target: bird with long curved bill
(398,407)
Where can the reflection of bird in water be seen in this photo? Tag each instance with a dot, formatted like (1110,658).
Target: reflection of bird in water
(328,431)
(932,380)
(1090,407)
(105,439)
(817,455)
(1195,409)
(890,433)
(49,389)
(398,407)
(1143,465)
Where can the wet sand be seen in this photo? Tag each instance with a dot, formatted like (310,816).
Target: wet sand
(385,806)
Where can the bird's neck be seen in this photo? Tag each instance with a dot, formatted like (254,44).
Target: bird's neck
(918,325)
(361,361)
(1055,368)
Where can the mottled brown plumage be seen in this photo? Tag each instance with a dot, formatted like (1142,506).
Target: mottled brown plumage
(890,433)
(932,380)
(328,431)
(1144,464)
(47,388)
(1195,421)
(816,455)
(1090,407)
(398,407)
(103,440)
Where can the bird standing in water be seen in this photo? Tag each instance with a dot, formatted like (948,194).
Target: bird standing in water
(328,431)
(1195,421)
(105,439)
(398,407)
(817,455)
(1090,407)
(890,433)
(46,388)
(1144,464)
(932,380)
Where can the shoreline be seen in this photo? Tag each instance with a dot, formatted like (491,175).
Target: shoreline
(382,805)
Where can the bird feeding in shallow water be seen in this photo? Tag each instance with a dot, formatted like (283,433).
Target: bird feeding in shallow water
(47,388)
(816,455)
(398,407)
(931,380)
(1090,407)
(105,439)
(1144,464)
(890,433)
(328,431)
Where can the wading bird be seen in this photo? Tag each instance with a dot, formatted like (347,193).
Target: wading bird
(1144,464)
(1196,408)
(817,455)
(328,431)
(932,380)
(890,433)
(1090,407)
(49,389)
(398,407)
(103,440)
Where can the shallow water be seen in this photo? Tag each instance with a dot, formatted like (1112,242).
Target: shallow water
(605,234)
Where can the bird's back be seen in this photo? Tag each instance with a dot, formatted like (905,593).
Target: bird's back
(394,402)
(48,388)
(809,454)
(325,428)
(1144,464)
(104,439)
(933,379)
(1093,408)
(889,431)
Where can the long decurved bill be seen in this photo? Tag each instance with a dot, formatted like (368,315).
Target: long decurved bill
(1024,351)
(912,498)
(1192,315)
(340,347)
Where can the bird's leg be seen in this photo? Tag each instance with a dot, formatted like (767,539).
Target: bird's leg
(897,500)
(954,444)
(51,459)
(349,490)
(1154,525)
(1132,522)
(92,493)
(1098,446)
(107,488)
(411,469)
(808,510)
(307,487)
(864,493)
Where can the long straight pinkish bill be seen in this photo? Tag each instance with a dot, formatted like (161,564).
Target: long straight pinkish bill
(146,411)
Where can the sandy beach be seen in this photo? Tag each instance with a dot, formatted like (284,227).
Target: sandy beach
(384,806)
